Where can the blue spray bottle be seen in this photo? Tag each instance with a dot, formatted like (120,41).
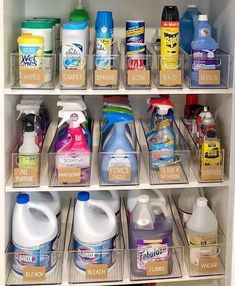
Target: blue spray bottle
(119,163)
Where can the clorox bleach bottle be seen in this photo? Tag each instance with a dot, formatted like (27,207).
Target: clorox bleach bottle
(51,200)
(94,232)
(33,235)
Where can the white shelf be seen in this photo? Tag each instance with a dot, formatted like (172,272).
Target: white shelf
(120,91)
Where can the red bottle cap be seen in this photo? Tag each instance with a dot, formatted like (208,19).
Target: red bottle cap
(164,96)
(191,99)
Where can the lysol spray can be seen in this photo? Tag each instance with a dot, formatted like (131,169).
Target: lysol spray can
(135,31)
(136,53)
(170,38)
(103,49)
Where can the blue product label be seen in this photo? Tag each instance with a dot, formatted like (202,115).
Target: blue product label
(205,60)
(151,250)
(103,53)
(162,153)
(135,32)
(74,57)
(29,50)
(41,255)
(30,56)
(100,253)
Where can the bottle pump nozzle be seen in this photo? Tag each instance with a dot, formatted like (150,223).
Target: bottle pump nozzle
(115,118)
(74,118)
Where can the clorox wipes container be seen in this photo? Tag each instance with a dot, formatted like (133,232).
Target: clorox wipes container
(95,228)
(33,235)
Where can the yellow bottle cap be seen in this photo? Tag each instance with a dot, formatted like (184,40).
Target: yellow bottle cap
(29,39)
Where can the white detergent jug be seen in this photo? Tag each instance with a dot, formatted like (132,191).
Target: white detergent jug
(33,236)
(50,199)
(154,195)
(94,232)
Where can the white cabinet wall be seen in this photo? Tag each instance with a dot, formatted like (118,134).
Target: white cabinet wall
(222,102)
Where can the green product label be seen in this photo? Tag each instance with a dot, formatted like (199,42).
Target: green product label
(28,161)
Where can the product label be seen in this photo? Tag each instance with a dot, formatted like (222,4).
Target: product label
(170,44)
(69,175)
(151,251)
(73,77)
(30,56)
(170,77)
(32,76)
(106,77)
(96,271)
(99,253)
(157,268)
(162,153)
(103,53)
(41,255)
(211,173)
(74,58)
(209,77)
(170,173)
(35,273)
(26,176)
(138,77)
(203,250)
(75,160)
(28,161)
(119,167)
(204,62)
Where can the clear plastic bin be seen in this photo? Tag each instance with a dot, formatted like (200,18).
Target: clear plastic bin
(207,259)
(167,263)
(122,168)
(31,77)
(177,167)
(93,272)
(216,77)
(73,71)
(25,169)
(107,78)
(35,273)
(204,174)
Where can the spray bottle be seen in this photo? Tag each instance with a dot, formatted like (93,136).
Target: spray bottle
(76,154)
(79,14)
(161,139)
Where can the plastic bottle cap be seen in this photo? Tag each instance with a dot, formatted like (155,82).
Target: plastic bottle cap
(37,24)
(191,99)
(164,96)
(75,25)
(201,201)
(203,18)
(143,199)
(22,199)
(83,196)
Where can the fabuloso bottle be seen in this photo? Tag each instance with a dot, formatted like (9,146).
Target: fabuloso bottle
(170,38)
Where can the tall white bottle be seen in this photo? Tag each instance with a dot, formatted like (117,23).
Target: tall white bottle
(201,230)
(186,202)
(94,231)
(33,235)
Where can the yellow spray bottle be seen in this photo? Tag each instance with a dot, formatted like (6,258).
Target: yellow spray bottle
(170,38)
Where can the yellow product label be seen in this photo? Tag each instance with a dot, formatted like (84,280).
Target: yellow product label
(163,124)
(28,161)
(135,32)
(169,48)
(211,154)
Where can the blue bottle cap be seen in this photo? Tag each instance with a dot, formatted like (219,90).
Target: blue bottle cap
(83,196)
(75,25)
(104,18)
(22,199)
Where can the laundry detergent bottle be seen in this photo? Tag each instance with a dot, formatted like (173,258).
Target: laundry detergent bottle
(119,154)
(33,235)
(94,231)
(147,234)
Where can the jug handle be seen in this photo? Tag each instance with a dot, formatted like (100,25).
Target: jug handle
(47,211)
(103,206)
(162,206)
(55,196)
(161,196)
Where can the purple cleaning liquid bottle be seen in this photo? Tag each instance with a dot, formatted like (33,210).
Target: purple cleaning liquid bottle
(76,154)
(204,50)
(150,237)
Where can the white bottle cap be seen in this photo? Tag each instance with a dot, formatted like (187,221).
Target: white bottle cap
(192,6)
(143,199)
(203,18)
(201,201)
